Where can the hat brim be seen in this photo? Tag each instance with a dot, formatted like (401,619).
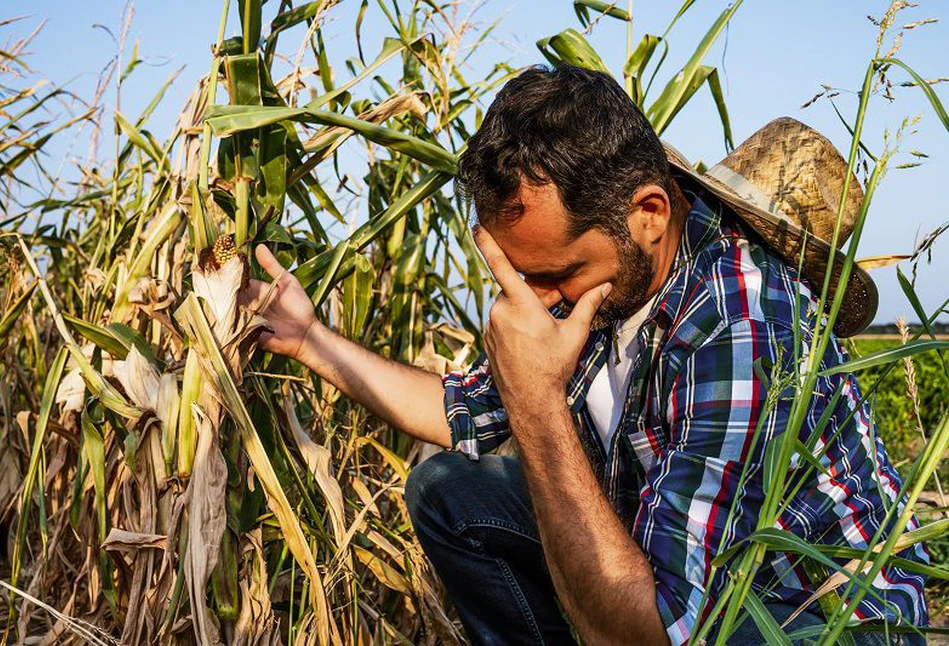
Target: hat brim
(860,299)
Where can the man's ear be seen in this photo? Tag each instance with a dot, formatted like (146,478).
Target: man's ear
(650,212)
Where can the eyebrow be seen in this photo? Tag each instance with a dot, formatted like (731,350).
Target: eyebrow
(554,273)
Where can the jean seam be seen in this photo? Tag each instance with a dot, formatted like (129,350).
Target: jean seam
(521,599)
(493,522)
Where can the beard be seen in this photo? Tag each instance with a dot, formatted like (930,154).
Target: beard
(629,289)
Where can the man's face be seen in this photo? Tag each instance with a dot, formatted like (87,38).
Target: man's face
(557,268)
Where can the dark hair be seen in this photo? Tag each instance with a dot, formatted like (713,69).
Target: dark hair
(571,126)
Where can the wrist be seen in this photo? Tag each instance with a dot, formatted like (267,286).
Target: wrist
(537,402)
(312,339)
(543,432)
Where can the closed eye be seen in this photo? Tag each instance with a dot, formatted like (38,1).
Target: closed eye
(553,276)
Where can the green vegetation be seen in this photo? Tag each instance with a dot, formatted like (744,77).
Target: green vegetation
(894,410)
(164,481)
(896,416)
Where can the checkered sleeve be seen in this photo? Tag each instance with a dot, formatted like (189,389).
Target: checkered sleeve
(476,416)
(713,406)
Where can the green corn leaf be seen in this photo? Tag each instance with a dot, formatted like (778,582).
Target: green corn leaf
(295,16)
(159,95)
(139,140)
(250,12)
(129,337)
(325,201)
(570,47)
(887,356)
(682,9)
(582,7)
(228,120)
(93,447)
(390,47)
(160,229)
(359,18)
(357,295)
(203,231)
(53,378)
(715,87)
(764,620)
(311,271)
(16,308)
(635,65)
(682,95)
(669,102)
(327,281)
(325,69)
(101,337)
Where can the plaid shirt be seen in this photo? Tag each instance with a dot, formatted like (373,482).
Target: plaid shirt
(672,469)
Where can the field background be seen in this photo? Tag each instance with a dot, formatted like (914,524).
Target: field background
(897,423)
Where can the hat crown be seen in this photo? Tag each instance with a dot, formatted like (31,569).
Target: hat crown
(800,175)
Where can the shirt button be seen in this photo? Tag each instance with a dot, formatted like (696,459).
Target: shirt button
(570,400)
(599,345)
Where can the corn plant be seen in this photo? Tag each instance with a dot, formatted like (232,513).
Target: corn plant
(178,486)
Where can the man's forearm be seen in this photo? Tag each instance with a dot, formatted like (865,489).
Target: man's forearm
(406,397)
(601,575)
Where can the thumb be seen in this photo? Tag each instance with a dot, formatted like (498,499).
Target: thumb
(269,263)
(586,307)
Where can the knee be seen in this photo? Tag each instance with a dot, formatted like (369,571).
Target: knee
(430,486)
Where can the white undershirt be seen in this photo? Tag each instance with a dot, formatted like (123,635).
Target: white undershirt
(607,394)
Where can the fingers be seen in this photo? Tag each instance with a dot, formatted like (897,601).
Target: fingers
(511,283)
(586,307)
(269,263)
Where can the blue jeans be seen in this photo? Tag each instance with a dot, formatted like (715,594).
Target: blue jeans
(476,524)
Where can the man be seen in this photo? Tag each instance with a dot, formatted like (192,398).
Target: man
(637,300)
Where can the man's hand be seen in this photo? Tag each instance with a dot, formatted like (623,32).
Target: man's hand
(532,354)
(288,308)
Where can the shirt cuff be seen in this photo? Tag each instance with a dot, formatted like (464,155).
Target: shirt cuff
(463,432)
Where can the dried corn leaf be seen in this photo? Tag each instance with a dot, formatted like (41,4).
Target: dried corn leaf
(386,574)
(207,518)
(72,391)
(256,624)
(121,540)
(139,378)
(393,460)
(875,262)
(317,460)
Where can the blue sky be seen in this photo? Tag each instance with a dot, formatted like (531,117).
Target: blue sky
(775,57)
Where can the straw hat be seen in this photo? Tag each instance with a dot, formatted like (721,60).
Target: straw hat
(786,181)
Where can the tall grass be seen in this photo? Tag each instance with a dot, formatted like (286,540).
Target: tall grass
(166,482)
